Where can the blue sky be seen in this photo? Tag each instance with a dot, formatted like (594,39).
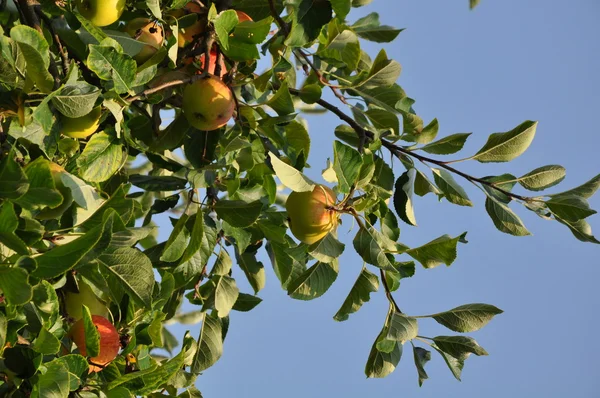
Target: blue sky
(483,71)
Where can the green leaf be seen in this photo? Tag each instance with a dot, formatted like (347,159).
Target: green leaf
(210,344)
(308,17)
(224,294)
(254,270)
(504,218)
(372,246)
(14,283)
(473,3)
(460,347)
(77,367)
(380,364)
(3,331)
(54,383)
(13,181)
(543,177)
(439,251)
(8,225)
(133,271)
(288,262)
(570,208)
(290,177)
(154,7)
(383,119)
(76,99)
(421,356)
(423,186)
(238,213)
(467,318)
(384,73)
(369,28)
(46,343)
(111,65)
(504,147)
(450,188)
(92,336)
(60,259)
(398,330)
(403,197)
(298,137)
(246,302)
(282,102)
(585,190)
(315,281)
(327,249)
(341,8)
(101,158)
(447,145)
(34,48)
(196,237)
(505,182)
(343,47)
(365,284)
(224,25)
(347,162)
(158,183)
(42,190)
(455,365)
(581,229)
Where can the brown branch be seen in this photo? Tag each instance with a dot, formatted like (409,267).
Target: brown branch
(280,22)
(398,151)
(218,58)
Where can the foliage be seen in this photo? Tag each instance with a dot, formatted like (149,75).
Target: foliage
(78,209)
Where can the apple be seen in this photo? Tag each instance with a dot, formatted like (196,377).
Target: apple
(243,17)
(48,213)
(109,342)
(208,103)
(74,301)
(213,63)
(145,31)
(82,127)
(310,220)
(186,35)
(101,12)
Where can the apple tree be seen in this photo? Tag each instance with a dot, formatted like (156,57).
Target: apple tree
(118,117)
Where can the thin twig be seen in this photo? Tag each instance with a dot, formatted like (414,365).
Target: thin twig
(388,292)
(280,22)
(61,49)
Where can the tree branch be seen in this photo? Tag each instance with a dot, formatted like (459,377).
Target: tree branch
(398,151)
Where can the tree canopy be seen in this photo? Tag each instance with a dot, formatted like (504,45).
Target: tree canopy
(116,113)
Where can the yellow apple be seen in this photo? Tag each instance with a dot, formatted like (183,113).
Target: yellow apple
(82,127)
(109,342)
(48,213)
(74,301)
(310,219)
(208,103)
(101,12)
(145,31)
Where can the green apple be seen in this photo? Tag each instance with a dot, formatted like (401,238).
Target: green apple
(208,103)
(109,342)
(145,31)
(101,12)
(48,213)
(82,127)
(74,301)
(310,218)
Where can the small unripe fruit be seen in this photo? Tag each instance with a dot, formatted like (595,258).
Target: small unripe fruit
(109,342)
(52,213)
(74,301)
(208,103)
(310,219)
(101,12)
(81,127)
(145,31)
